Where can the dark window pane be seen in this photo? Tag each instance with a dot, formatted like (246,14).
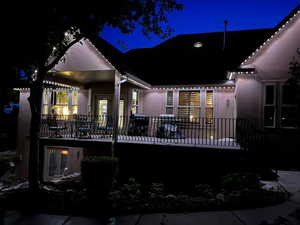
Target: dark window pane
(170,98)
(288,116)
(269,116)
(288,95)
(269,95)
(169,110)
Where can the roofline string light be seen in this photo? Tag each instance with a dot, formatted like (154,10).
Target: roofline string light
(231,74)
(193,88)
(271,38)
(55,84)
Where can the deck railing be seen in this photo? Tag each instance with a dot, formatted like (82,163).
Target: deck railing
(225,132)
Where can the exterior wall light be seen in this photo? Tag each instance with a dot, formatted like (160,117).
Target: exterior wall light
(198,44)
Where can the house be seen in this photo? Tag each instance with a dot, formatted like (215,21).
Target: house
(197,90)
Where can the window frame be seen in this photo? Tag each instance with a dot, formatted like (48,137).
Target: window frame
(282,105)
(270,105)
(189,106)
(135,106)
(74,104)
(47,104)
(209,107)
(166,102)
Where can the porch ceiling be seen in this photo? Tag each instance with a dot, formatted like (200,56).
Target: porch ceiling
(82,77)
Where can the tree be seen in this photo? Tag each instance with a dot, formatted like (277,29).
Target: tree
(295,83)
(39,37)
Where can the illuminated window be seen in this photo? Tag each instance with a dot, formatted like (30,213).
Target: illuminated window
(121,113)
(169,103)
(135,102)
(209,109)
(189,104)
(45,109)
(74,102)
(60,103)
(57,162)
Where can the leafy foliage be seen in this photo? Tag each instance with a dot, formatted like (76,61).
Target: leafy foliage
(235,190)
(35,34)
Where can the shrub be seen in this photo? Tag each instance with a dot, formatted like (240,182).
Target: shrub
(204,190)
(237,181)
(98,174)
(156,190)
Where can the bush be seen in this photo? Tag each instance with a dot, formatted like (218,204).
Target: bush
(4,163)
(238,181)
(98,174)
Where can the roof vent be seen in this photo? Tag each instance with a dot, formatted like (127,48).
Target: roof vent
(198,44)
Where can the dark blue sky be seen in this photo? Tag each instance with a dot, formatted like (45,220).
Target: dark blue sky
(200,16)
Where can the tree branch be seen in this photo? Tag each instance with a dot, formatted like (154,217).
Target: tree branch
(63,52)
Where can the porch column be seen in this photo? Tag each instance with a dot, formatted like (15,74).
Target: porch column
(116,104)
(89,107)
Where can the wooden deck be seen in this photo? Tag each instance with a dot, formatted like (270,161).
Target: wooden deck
(226,143)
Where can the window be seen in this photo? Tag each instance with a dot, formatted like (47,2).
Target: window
(45,109)
(60,102)
(169,103)
(74,102)
(189,104)
(269,107)
(135,102)
(102,108)
(121,113)
(57,164)
(288,106)
(280,106)
(209,107)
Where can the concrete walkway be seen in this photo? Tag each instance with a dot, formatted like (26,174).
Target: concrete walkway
(283,212)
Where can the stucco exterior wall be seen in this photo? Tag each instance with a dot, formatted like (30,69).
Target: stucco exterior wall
(273,62)
(154,102)
(23,133)
(224,103)
(248,99)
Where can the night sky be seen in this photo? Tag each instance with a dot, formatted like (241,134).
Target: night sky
(201,16)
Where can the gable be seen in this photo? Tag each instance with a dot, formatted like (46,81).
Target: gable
(273,59)
(83,57)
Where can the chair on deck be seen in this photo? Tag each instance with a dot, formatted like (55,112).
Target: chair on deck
(83,127)
(55,126)
(138,125)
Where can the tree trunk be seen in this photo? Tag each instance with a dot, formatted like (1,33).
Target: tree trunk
(35,101)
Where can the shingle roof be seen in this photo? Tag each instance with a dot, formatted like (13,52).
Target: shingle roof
(177,61)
